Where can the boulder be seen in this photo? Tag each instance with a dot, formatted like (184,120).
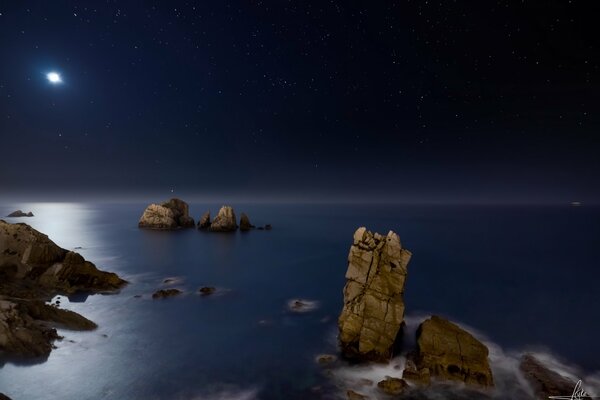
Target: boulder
(392,386)
(172,214)
(544,381)
(373,311)
(204,222)
(4,397)
(164,293)
(225,221)
(19,213)
(245,224)
(446,352)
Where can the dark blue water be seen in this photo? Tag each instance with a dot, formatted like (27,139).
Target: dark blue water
(525,276)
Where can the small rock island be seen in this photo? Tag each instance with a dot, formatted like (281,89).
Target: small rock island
(172,214)
(19,214)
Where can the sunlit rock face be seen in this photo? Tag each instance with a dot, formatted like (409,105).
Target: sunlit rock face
(225,221)
(446,352)
(373,310)
(172,214)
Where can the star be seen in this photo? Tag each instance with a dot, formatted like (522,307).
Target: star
(54,78)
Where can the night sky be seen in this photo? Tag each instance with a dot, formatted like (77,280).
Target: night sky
(433,101)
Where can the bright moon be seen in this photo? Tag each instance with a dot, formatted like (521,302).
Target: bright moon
(54,77)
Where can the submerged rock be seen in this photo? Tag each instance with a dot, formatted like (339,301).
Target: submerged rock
(447,352)
(164,293)
(302,305)
(19,213)
(392,386)
(373,310)
(324,359)
(225,221)
(172,214)
(204,222)
(544,381)
(206,290)
(245,224)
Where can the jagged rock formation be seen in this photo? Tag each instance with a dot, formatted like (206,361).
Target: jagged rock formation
(19,213)
(204,222)
(225,221)
(449,353)
(245,224)
(373,296)
(172,214)
(544,381)
(32,270)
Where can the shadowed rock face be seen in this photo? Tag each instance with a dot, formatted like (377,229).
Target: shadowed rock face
(172,214)
(32,270)
(4,397)
(545,382)
(373,310)
(449,353)
(225,221)
(245,224)
(204,222)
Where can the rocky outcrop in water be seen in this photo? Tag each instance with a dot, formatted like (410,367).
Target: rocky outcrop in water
(245,224)
(19,213)
(164,293)
(32,270)
(172,214)
(225,221)
(373,296)
(204,222)
(447,352)
(544,381)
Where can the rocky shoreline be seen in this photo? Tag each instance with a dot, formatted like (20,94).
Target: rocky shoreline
(33,269)
(371,325)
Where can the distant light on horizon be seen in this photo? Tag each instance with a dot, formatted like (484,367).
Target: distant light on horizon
(54,77)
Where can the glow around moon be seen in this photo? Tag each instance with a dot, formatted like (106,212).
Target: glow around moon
(54,77)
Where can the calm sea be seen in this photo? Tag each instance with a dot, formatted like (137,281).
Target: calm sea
(526,277)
